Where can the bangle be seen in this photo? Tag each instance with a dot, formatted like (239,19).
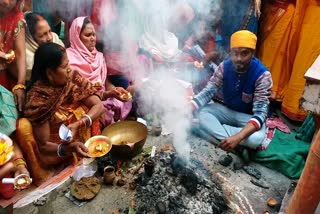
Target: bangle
(19,161)
(18,86)
(59,151)
(87,120)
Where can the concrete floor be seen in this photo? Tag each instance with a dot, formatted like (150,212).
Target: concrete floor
(238,189)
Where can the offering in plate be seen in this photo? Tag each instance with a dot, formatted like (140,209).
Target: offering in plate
(126,96)
(20,182)
(6,149)
(98,146)
(98,85)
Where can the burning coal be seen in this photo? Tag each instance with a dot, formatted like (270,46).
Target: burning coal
(178,187)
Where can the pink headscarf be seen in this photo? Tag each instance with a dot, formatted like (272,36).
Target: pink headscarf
(91,65)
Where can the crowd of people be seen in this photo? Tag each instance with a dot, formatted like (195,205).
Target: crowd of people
(73,69)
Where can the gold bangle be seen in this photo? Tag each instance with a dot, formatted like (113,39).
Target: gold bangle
(18,86)
(20,161)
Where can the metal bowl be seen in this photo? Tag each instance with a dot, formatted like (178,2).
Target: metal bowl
(98,146)
(127,137)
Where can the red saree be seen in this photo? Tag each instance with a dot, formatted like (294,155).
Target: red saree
(10,26)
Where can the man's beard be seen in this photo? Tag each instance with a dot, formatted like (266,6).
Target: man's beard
(240,67)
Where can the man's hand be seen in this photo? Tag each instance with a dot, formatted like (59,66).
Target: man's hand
(19,97)
(230,143)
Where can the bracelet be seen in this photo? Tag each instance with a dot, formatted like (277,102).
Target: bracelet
(59,151)
(87,119)
(18,86)
(19,161)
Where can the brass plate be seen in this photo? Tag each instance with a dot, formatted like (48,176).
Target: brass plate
(98,146)
(126,131)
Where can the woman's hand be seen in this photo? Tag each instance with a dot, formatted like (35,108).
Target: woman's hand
(116,92)
(113,92)
(74,127)
(21,169)
(19,97)
(77,147)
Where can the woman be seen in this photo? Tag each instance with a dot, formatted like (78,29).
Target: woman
(16,164)
(289,47)
(57,95)
(304,45)
(91,65)
(12,37)
(38,32)
(275,28)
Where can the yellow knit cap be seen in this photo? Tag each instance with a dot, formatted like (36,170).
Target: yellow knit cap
(243,39)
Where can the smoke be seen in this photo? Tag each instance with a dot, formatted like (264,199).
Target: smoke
(163,95)
(69,9)
(127,23)
(123,25)
(209,9)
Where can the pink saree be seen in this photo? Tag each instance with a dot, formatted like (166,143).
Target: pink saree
(92,66)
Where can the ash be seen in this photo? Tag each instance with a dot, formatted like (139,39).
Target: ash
(176,187)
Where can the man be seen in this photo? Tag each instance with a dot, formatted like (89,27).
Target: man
(240,88)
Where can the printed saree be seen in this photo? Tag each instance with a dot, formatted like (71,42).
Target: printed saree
(58,106)
(8,112)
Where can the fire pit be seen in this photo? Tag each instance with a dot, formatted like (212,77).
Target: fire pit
(178,187)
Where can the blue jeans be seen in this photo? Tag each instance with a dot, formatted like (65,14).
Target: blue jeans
(220,122)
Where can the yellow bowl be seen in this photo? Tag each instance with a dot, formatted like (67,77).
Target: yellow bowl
(98,146)
(6,155)
(22,181)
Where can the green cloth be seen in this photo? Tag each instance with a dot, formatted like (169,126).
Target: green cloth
(285,154)
(307,129)
(8,112)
